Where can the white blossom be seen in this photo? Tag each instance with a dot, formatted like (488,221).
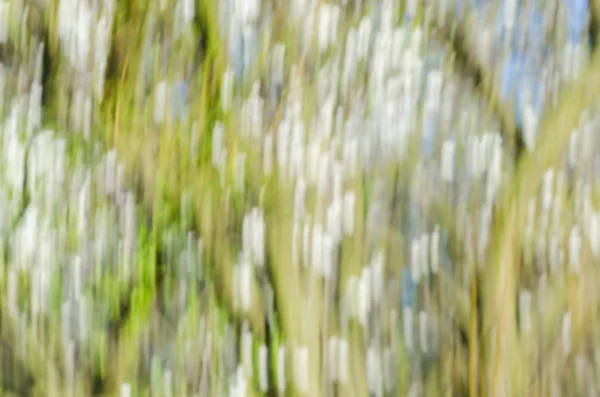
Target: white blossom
(447,162)
(160,100)
(364,37)
(416,260)
(364,296)
(566,333)
(301,368)
(424,251)
(332,358)
(547,190)
(328,260)
(575,250)
(263,368)
(245,283)
(189,11)
(4,19)
(281,378)
(594,235)
(530,126)
(246,353)
(374,381)
(435,249)
(226,88)
(573,148)
(325,17)
(349,204)
(125,390)
(525,310)
(343,357)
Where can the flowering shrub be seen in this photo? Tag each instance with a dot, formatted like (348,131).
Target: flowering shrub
(298,197)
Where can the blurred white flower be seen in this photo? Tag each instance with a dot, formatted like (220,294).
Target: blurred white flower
(415,261)
(281,377)
(495,170)
(587,141)
(547,190)
(417,41)
(246,353)
(263,368)
(168,383)
(343,359)
(332,359)
(240,171)
(424,251)
(245,284)
(525,310)
(226,89)
(189,11)
(125,390)
(447,162)
(248,10)
(4,19)
(160,100)
(566,333)
(217,145)
(568,67)
(556,253)
(575,250)
(434,89)
(374,381)
(300,192)
(573,148)
(435,249)
(12,290)
(510,14)
(84,22)
(334,221)
(364,295)
(364,38)
(594,234)
(416,388)
(349,204)
(328,261)
(258,234)
(301,368)
(324,26)
(283,145)
(541,292)
(530,127)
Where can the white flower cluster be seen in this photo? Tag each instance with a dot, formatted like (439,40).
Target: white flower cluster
(84,32)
